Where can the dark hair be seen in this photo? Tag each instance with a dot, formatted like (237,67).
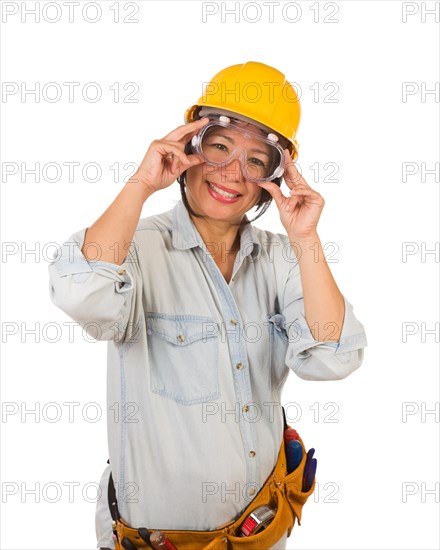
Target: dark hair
(263,204)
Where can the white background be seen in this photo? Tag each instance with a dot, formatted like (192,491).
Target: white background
(366,451)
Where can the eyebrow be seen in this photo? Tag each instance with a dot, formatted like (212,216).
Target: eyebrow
(232,141)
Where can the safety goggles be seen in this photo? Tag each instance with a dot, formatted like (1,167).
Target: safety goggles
(223,140)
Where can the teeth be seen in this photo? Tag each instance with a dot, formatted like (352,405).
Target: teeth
(221,192)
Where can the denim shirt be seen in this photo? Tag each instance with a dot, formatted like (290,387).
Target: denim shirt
(197,365)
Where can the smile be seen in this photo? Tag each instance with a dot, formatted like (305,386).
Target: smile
(222,192)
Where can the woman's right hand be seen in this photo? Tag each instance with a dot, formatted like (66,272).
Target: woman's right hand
(157,170)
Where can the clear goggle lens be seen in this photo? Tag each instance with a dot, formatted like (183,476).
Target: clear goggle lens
(222,140)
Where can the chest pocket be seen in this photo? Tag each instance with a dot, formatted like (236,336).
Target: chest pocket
(183,352)
(278,343)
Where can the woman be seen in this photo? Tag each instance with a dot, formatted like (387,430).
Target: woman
(205,314)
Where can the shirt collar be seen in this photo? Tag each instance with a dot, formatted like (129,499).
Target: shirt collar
(185,234)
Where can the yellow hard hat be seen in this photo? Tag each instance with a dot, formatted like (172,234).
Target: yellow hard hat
(253,91)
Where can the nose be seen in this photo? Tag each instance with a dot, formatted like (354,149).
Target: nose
(233,171)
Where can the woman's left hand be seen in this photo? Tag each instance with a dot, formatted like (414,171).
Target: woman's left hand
(300,212)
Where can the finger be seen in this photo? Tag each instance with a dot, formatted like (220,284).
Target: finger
(177,162)
(194,160)
(171,153)
(304,191)
(176,167)
(292,176)
(186,131)
(181,147)
(301,190)
(274,191)
(292,202)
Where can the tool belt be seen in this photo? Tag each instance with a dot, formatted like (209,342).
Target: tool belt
(280,490)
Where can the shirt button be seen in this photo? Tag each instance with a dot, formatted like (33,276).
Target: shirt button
(122,271)
(239,366)
(252,491)
(252,454)
(181,337)
(245,408)
(234,322)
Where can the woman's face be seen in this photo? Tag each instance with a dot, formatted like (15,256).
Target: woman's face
(202,180)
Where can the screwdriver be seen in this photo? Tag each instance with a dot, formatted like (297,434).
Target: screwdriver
(161,542)
(145,536)
(294,453)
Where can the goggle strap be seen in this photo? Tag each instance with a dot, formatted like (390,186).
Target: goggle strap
(226,120)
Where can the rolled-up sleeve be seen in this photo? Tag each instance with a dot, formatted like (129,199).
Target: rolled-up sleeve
(311,359)
(102,297)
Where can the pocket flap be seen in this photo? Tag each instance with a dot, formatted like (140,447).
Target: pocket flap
(293,486)
(298,498)
(181,330)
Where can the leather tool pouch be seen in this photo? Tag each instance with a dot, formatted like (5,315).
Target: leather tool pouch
(280,490)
